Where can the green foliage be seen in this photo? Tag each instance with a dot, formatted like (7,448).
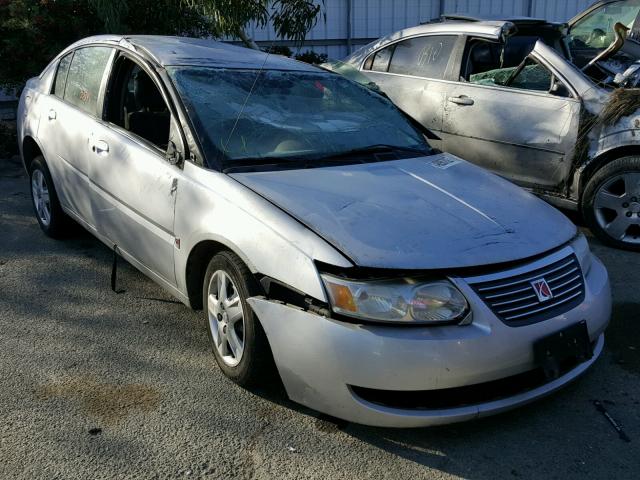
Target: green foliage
(279,50)
(291,19)
(294,18)
(32,32)
(312,57)
(151,17)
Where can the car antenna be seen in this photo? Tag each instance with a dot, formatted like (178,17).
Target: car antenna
(244,104)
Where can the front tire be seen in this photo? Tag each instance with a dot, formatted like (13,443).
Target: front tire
(238,341)
(51,218)
(611,203)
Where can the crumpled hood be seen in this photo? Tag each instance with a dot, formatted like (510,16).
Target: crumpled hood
(422,213)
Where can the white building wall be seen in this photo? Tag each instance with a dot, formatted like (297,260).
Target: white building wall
(356,22)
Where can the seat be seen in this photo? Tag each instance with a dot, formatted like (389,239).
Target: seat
(151,120)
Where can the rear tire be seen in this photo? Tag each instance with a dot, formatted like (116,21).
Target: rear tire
(51,218)
(611,203)
(238,341)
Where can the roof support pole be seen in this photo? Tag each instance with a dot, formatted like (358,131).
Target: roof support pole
(349,25)
(529,11)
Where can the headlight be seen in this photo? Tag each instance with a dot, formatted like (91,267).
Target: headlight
(583,252)
(400,301)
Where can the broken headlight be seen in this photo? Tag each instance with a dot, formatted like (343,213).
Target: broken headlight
(397,301)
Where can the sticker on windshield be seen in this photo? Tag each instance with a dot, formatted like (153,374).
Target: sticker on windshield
(444,162)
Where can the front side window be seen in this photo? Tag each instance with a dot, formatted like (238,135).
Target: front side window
(530,75)
(85,77)
(423,56)
(595,31)
(136,104)
(242,116)
(61,75)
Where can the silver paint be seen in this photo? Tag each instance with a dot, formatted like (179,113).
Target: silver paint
(525,136)
(432,212)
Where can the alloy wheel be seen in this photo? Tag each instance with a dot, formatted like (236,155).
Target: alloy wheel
(617,207)
(226,318)
(41,199)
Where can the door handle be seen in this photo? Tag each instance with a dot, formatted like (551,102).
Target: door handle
(100,147)
(461,100)
(52,114)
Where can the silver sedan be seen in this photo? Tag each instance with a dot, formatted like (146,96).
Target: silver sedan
(315,227)
(505,95)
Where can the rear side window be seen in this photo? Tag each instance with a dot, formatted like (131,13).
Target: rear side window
(423,56)
(61,75)
(85,77)
(380,60)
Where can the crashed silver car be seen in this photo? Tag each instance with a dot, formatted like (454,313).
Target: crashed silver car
(315,227)
(505,95)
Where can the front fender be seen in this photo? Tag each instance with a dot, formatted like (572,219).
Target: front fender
(212,206)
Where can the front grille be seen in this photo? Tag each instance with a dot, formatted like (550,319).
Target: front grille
(514,300)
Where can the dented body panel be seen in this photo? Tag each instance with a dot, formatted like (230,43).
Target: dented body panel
(421,218)
(434,212)
(533,138)
(322,373)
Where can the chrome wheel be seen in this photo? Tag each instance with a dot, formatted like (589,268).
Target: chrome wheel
(41,200)
(226,318)
(617,207)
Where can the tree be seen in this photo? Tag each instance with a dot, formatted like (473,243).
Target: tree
(32,32)
(292,19)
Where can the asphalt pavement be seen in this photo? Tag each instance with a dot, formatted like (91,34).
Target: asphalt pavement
(95,384)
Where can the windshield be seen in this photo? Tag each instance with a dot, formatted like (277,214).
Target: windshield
(245,116)
(595,30)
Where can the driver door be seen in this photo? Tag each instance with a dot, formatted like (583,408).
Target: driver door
(520,131)
(135,186)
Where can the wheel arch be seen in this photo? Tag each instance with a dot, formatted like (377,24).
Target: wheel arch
(196,267)
(30,150)
(601,160)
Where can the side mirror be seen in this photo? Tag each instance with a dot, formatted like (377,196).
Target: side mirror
(174,156)
(559,89)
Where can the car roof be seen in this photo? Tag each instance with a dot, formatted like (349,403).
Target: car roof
(486,27)
(517,20)
(175,51)
(490,29)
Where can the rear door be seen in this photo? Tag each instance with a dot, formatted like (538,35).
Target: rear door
(134,184)
(519,130)
(411,73)
(67,117)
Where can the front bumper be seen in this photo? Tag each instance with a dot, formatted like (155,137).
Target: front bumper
(319,359)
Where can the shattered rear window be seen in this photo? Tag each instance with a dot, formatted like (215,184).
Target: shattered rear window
(247,114)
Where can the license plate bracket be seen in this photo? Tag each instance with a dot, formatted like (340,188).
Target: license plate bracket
(552,351)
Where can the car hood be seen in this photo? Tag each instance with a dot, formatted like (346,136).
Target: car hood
(423,213)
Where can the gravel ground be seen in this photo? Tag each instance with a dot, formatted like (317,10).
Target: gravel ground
(99,385)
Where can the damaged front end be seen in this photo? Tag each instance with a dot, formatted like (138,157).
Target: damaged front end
(607,126)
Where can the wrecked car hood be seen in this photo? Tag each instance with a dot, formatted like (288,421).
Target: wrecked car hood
(422,213)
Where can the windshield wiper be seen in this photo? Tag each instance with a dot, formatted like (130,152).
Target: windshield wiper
(259,162)
(373,149)
(340,158)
